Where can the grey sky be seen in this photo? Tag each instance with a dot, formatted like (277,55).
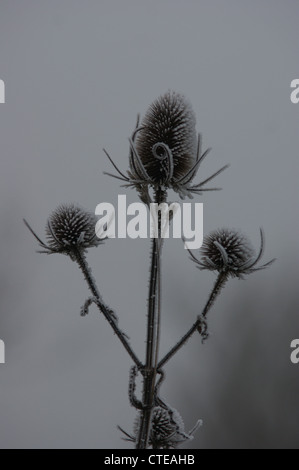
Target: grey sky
(76,75)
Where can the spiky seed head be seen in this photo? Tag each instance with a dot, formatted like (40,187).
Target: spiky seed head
(167,428)
(166,142)
(230,253)
(226,249)
(71,228)
(163,428)
(165,152)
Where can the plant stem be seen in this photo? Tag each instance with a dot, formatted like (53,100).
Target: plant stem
(153,329)
(149,372)
(108,313)
(219,284)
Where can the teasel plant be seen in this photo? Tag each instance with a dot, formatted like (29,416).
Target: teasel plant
(165,153)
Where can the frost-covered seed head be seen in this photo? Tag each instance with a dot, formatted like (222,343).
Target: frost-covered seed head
(167,428)
(226,249)
(229,252)
(165,152)
(163,428)
(71,228)
(166,142)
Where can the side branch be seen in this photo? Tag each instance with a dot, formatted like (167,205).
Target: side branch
(108,313)
(200,324)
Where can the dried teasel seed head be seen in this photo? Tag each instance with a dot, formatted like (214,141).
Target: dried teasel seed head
(165,152)
(70,228)
(163,428)
(230,252)
(226,249)
(167,428)
(166,142)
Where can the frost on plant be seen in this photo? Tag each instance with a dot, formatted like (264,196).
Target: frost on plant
(230,252)
(70,229)
(164,154)
(164,150)
(167,428)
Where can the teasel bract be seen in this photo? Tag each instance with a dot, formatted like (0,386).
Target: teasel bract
(230,253)
(165,152)
(167,428)
(70,230)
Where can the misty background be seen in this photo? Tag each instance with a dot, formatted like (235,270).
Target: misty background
(76,75)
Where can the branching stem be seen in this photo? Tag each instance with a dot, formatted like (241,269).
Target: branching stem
(153,330)
(108,313)
(219,284)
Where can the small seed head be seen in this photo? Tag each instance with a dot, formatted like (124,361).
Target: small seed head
(71,228)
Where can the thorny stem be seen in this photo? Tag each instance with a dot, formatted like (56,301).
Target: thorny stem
(159,290)
(153,329)
(81,260)
(149,372)
(219,284)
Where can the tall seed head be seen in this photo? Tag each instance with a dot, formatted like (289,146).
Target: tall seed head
(166,142)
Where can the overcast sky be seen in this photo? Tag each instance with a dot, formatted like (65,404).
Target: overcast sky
(76,75)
